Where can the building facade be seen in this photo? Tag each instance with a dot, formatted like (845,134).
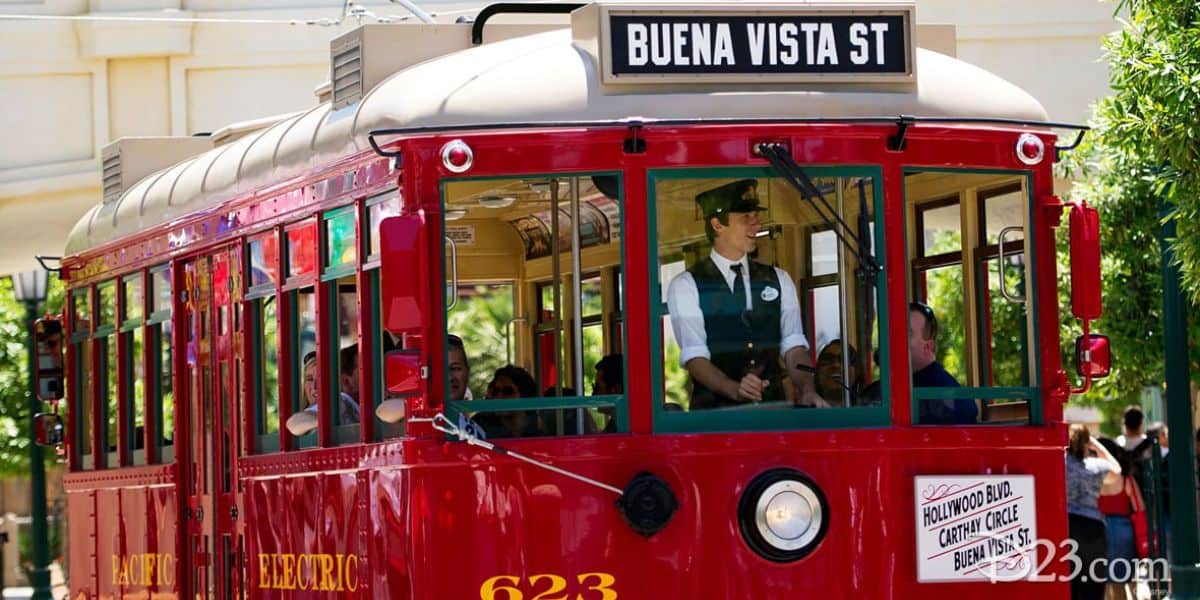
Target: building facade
(69,87)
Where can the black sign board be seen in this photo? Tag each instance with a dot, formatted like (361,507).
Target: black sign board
(802,46)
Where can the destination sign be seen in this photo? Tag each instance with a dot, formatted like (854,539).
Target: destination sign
(794,45)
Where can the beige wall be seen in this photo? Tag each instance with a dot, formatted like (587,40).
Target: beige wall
(69,88)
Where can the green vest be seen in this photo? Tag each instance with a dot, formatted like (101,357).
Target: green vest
(739,341)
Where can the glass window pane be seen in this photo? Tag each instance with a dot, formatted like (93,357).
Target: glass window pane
(133,298)
(137,388)
(82,400)
(160,284)
(481,319)
(944,294)
(302,251)
(1004,210)
(304,361)
(264,261)
(593,299)
(165,407)
(823,260)
(81,307)
(1007,329)
(377,213)
(340,246)
(267,381)
(107,292)
(110,400)
(347,383)
(731,251)
(941,230)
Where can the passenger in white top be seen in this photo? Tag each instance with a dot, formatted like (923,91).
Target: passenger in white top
(1132,435)
(735,319)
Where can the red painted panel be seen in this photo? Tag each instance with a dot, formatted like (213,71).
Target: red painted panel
(81,544)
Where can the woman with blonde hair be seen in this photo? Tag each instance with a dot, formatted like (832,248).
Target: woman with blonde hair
(1091,471)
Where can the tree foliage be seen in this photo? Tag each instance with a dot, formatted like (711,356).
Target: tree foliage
(14,376)
(1143,152)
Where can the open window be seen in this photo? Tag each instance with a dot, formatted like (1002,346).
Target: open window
(760,285)
(968,250)
(533,296)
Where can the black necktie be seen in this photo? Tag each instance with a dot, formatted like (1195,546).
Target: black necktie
(739,284)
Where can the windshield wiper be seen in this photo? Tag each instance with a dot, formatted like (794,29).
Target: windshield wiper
(781,161)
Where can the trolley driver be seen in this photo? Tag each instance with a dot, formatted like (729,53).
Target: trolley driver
(734,318)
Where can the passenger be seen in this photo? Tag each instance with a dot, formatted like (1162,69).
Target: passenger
(1091,470)
(348,385)
(548,419)
(510,382)
(610,381)
(829,380)
(1132,428)
(305,420)
(735,318)
(927,372)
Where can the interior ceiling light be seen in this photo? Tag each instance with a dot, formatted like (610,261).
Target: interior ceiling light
(496,201)
(454,214)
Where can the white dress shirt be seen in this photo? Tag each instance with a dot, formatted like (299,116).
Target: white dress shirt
(687,321)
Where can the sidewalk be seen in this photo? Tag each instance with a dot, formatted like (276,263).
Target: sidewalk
(58,589)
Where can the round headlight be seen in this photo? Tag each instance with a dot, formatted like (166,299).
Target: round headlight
(783,515)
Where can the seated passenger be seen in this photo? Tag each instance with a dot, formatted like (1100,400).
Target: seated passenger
(735,319)
(510,381)
(829,380)
(305,420)
(458,371)
(548,419)
(348,385)
(927,372)
(610,381)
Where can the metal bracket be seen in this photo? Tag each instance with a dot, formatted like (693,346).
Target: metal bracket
(897,141)
(516,7)
(634,144)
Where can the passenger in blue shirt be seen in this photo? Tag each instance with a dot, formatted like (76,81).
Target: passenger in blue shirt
(927,372)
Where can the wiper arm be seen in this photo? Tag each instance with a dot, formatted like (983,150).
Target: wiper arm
(781,161)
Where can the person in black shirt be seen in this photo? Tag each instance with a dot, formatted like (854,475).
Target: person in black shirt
(928,372)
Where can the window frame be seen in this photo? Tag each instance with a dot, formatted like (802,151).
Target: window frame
(764,419)
(80,338)
(618,402)
(1034,393)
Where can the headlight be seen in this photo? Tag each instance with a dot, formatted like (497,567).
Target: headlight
(783,515)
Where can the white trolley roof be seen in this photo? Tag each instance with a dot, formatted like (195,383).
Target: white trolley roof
(550,77)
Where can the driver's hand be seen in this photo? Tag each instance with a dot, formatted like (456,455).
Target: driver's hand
(751,388)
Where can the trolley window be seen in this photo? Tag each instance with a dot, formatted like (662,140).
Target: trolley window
(971,332)
(158,345)
(770,314)
(529,260)
(81,398)
(131,348)
(386,408)
(341,310)
(262,278)
(105,334)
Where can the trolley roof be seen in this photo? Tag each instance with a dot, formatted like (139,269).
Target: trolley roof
(550,77)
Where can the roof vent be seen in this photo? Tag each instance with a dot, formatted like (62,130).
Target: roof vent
(110,175)
(362,58)
(346,72)
(128,160)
